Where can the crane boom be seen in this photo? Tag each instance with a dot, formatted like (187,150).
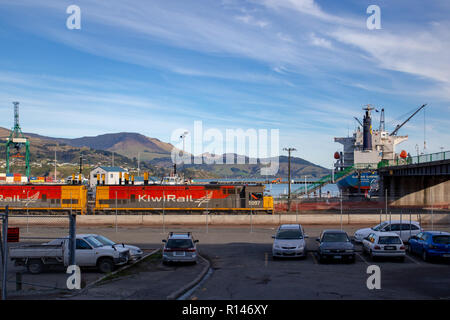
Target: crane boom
(360,123)
(404,122)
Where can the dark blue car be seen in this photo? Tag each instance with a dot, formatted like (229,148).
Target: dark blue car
(430,244)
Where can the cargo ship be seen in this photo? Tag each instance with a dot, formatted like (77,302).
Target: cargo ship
(364,151)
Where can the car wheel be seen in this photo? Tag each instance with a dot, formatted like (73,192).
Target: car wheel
(35,266)
(105,265)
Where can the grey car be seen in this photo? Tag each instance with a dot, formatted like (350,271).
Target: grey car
(289,242)
(180,247)
(335,245)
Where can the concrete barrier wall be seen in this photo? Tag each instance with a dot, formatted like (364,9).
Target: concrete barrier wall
(236,220)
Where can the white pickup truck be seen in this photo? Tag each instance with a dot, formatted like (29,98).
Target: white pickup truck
(89,252)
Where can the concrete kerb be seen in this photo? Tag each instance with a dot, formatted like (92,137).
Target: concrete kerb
(176,294)
(128,266)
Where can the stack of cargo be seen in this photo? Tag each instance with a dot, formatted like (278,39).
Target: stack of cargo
(17,177)
(9,178)
(13,178)
(37,179)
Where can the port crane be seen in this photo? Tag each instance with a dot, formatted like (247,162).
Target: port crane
(17,140)
(393,133)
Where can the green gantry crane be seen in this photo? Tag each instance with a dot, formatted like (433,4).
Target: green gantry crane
(17,140)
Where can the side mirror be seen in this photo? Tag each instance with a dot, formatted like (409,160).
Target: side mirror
(195,241)
(306,236)
(164,241)
(317,239)
(273,237)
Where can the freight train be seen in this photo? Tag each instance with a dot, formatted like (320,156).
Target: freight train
(123,199)
(43,198)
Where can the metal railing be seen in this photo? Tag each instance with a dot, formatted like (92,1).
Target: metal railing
(424,158)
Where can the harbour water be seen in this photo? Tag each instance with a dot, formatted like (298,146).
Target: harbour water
(278,189)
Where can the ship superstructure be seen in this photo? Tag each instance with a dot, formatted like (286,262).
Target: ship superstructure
(365,149)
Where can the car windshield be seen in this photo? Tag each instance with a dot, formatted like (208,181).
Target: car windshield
(289,234)
(334,237)
(441,239)
(105,241)
(380,226)
(389,240)
(179,243)
(93,242)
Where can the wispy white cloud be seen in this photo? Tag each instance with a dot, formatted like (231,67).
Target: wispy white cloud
(270,56)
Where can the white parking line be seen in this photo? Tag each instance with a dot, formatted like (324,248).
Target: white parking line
(414,260)
(362,258)
(314,257)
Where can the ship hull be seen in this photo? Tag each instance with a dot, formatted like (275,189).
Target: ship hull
(352,183)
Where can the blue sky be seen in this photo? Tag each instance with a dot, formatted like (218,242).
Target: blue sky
(301,66)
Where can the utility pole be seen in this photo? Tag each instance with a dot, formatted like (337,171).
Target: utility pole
(55,164)
(289,150)
(139,164)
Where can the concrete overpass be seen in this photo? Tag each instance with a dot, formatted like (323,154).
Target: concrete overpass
(418,181)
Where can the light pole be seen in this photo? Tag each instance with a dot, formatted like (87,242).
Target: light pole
(183,136)
(139,163)
(289,150)
(55,164)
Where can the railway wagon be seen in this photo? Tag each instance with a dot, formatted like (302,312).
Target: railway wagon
(182,198)
(43,198)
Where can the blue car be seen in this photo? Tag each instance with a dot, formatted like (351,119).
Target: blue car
(430,244)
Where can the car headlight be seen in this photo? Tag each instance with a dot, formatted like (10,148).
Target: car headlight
(349,250)
(326,250)
(276,246)
(300,247)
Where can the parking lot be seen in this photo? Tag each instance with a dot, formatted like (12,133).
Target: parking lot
(243,268)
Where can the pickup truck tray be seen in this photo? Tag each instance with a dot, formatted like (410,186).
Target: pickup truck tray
(36,251)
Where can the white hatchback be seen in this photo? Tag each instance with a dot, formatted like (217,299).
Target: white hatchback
(384,244)
(289,242)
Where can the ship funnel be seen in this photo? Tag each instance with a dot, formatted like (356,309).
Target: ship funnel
(367,129)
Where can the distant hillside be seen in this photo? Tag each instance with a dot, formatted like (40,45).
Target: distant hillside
(42,149)
(128,144)
(299,168)
(155,156)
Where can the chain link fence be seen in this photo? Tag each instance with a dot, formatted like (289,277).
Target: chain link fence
(25,230)
(431,215)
